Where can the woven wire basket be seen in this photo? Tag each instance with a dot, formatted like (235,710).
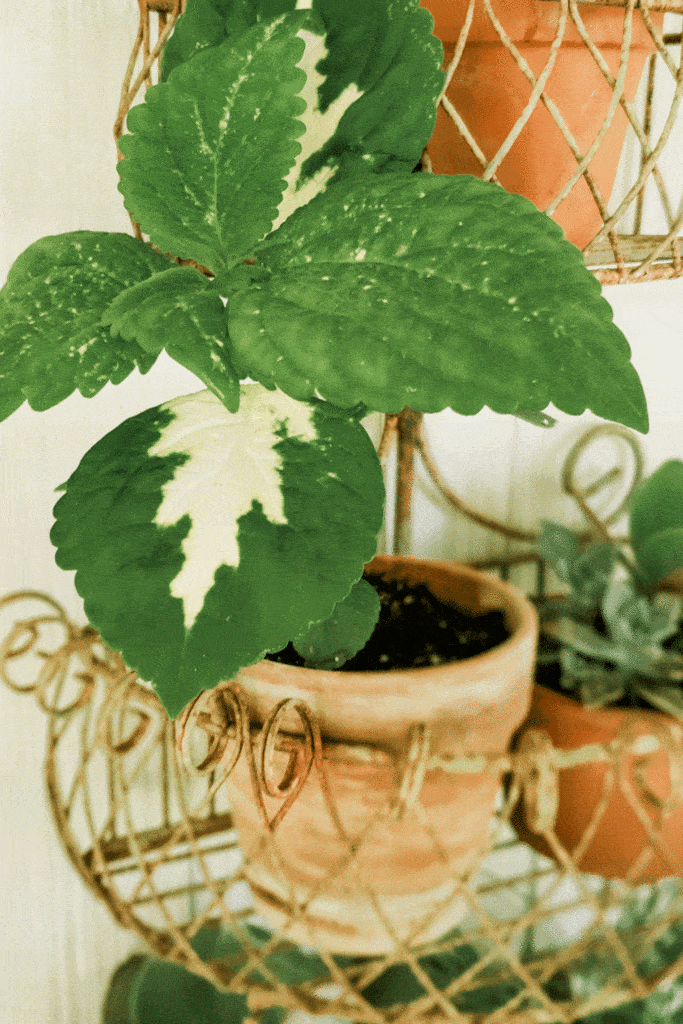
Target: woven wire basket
(140,804)
(574,105)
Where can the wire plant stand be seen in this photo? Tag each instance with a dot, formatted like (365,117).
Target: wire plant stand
(141,807)
(140,801)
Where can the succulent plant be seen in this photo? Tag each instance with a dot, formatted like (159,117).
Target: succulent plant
(620,624)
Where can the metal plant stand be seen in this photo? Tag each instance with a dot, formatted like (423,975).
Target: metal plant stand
(140,804)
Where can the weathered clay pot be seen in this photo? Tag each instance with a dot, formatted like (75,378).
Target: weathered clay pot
(490,92)
(621,835)
(363,875)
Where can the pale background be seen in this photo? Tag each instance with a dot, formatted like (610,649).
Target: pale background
(62,64)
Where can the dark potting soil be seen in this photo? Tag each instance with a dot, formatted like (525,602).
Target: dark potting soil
(417,630)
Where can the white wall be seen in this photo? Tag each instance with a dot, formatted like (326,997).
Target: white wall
(62,65)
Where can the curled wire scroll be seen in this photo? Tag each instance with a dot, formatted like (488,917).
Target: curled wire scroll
(406,433)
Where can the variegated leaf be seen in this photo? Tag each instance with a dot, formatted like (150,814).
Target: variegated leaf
(210,148)
(373,79)
(203,539)
(52,342)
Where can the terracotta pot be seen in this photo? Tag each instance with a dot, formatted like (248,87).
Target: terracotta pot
(654,781)
(490,92)
(398,873)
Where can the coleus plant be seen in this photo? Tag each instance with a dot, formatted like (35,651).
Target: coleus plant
(313,278)
(621,625)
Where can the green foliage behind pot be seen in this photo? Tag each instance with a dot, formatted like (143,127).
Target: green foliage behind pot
(148,990)
(277,154)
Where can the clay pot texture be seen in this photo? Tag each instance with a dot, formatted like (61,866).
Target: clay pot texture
(387,876)
(621,835)
(490,92)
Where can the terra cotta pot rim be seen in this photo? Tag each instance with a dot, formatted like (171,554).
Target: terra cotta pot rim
(609,716)
(515,600)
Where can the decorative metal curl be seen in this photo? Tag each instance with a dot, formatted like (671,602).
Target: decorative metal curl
(581,495)
(407,433)
(300,758)
(24,635)
(56,667)
(126,696)
(221,715)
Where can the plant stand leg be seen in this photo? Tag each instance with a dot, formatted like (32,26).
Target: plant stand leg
(408,427)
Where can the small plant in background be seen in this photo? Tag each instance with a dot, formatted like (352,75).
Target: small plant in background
(620,625)
(276,154)
(149,990)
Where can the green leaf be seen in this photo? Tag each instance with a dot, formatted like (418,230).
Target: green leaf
(329,644)
(167,993)
(559,548)
(296,966)
(668,699)
(656,523)
(591,575)
(584,639)
(430,291)
(203,539)
(588,573)
(51,338)
(398,983)
(210,147)
(181,311)
(207,23)
(593,683)
(661,555)
(116,1005)
(372,88)
(638,619)
(274,1015)
(386,59)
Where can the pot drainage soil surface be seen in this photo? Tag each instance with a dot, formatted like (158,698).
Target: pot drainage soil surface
(416,630)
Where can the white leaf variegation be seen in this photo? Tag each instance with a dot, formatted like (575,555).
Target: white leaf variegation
(202,539)
(208,149)
(232,462)
(373,76)
(320,127)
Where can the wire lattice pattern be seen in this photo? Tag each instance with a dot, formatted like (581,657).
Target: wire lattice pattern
(516,110)
(143,812)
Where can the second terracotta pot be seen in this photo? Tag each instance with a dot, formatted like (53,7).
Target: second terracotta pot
(335,869)
(644,792)
(490,92)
